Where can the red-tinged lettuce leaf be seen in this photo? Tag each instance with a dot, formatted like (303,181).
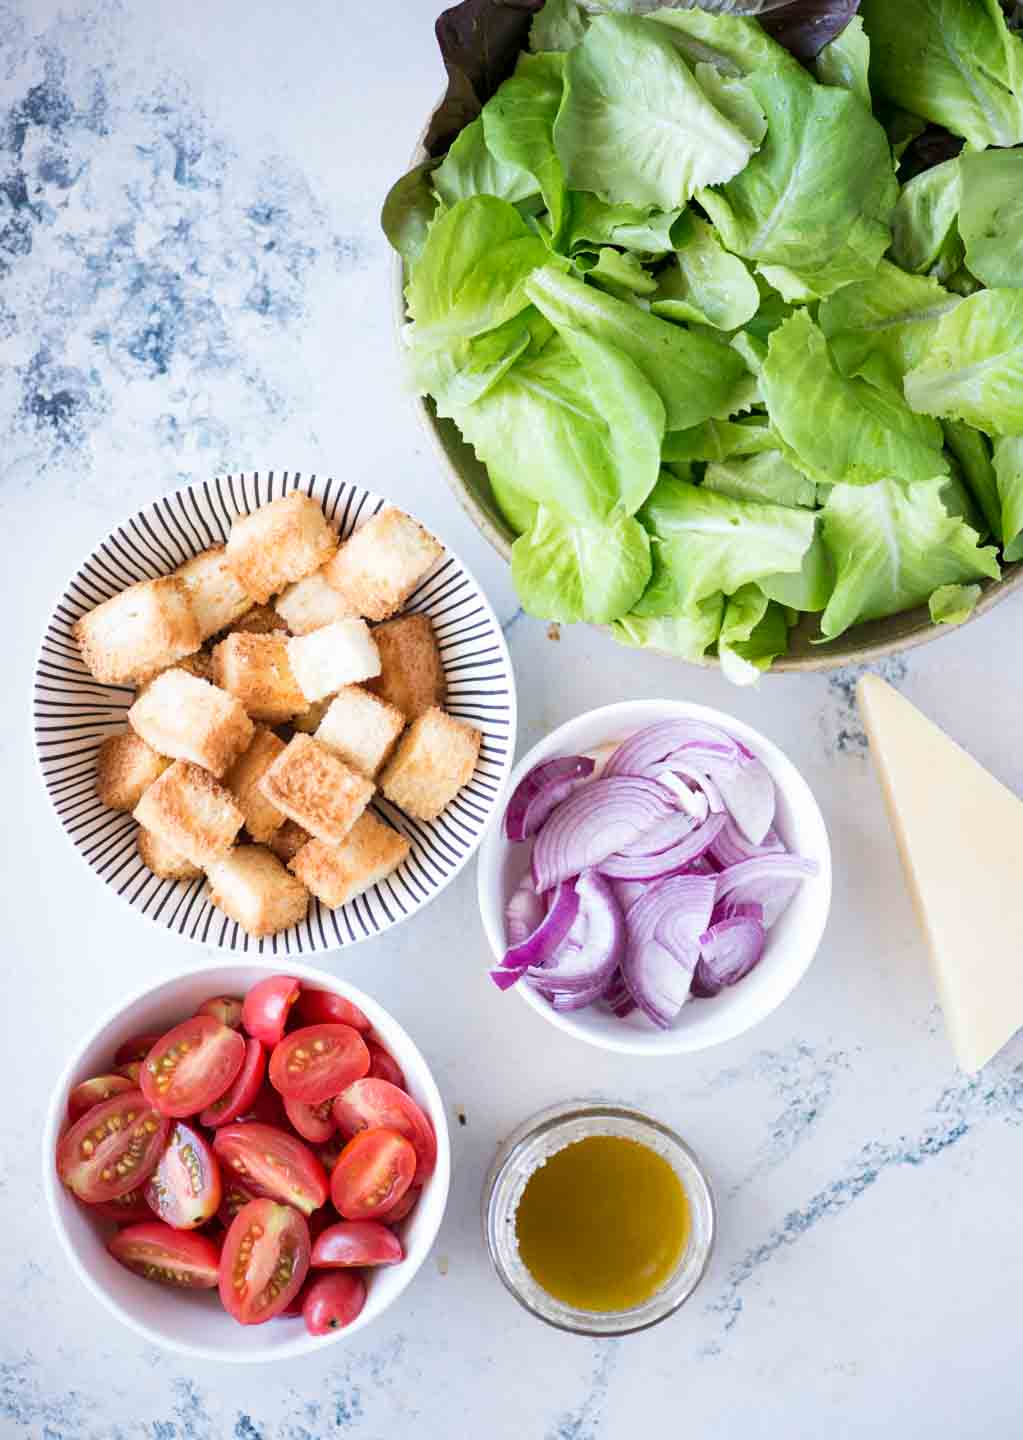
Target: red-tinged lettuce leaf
(806,26)
(933,147)
(479,43)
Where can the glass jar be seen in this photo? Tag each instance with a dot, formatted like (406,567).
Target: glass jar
(544,1135)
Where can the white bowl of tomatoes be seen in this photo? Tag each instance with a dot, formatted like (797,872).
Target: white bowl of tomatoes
(245,1162)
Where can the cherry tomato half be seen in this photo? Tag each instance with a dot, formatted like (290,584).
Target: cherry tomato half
(171,1257)
(113,1148)
(371,1103)
(93,1092)
(357,1242)
(234,1196)
(225,1008)
(333,1301)
(266,1006)
(313,1122)
(272,1163)
(396,1213)
(131,1071)
(264,1261)
(191,1066)
(383,1066)
(372,1174)
(185,1188)
(126,1209)
(324,1007)
(318,1062)
(241,1094)
(137,1048)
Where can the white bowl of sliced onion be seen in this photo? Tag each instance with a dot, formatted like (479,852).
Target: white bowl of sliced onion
(661,879)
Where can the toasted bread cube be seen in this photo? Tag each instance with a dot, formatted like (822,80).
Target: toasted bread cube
(278,544)
(163,860)
(309,721)
(260,620)
(252,887)
(143,629)
(125,768)
(316,789)
(255,669)
(335,873)
(411,670)
(217,595)
(261,818)
(199,664)
(360,728)
(191,813)
(311,603)
(383,562)
(287,840)
(435,758)
(190,719)
(339,654)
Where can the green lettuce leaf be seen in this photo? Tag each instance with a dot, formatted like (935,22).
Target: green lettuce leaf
(622,73)
(518,125)
(704,543)
(842,429)
(846,62)
(972,451)
(1008,465)
(719,440)
(620,274)
(688,636)
(811,588)
(735,46)
(735,100)
(696,378)
(754,632)
(572,572)
(991,217)
(892,545)
(706,284)
(951,61)
(767,477)
(559,25)
(593,222)
(925,217)
(409,211)
(460,372)
(974,367)
(470,168)
(882,327)
(952,604)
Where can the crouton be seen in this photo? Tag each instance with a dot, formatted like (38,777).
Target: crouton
(261,818)
(190,719)
(260,620)
(316,789)
(383,562)
(339,654)
(360,728)
(217,595)
(191,813)
(311,603)
(411,671)
(309,721)
(255,669)
(435,758)
(163,860)
(278,544)
(199,664)
(287,840)
(252,887)
(335,873)
(125,767)
(143,629)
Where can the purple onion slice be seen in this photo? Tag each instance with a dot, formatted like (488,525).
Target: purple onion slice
(539,792)
(594,823)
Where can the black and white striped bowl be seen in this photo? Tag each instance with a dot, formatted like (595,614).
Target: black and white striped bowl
(73,714)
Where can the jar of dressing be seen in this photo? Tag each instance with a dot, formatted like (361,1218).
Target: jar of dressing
(598,1219)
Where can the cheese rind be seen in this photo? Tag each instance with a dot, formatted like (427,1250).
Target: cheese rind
(960,836)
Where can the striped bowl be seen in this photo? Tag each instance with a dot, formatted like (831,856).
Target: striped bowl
(73,714)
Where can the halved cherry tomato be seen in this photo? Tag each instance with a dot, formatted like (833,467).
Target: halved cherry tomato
(357,1242)
(171,1257)
(372,1174)
(333,1301)
(293,1309)
(324,1007)
(242,1092)
(113,1148)
(266,1006)
(383,1066)
(225,1008)
(126,1209)
(137,1048)
(371,1103)
(191,1066)
(130,1071)
(185,1188)
(405,1206)
(267,1108)
(264,1261)
(313,1122)
(234,1197)
(318,1062)
(93,1092)
(272,1163)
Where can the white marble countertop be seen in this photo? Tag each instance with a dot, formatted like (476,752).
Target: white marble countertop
(192,279)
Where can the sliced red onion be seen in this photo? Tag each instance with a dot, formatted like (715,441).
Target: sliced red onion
(693,801)
(594,823)
(627,892)
(617,997)
(666,773)
(661,836)
(542,942)
(663,928)
(731,847)
(537,793)
(655,743)
(747,790)
(592,950)
(729,950)
(523,912)
(668,862)
(767,880)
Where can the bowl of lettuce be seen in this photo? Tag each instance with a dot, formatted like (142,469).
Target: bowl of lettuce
(717,321)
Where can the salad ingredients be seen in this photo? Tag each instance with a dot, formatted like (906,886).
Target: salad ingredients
(264,1261)
(267,1006)
(333,1301)
(317,1062)
(191,1066)
(113,1148)
(357,1242)
(273,1163)
(723,368)
(185,1188)
(377,1104)
(170,1257)
(240,1096)
(372,1173)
